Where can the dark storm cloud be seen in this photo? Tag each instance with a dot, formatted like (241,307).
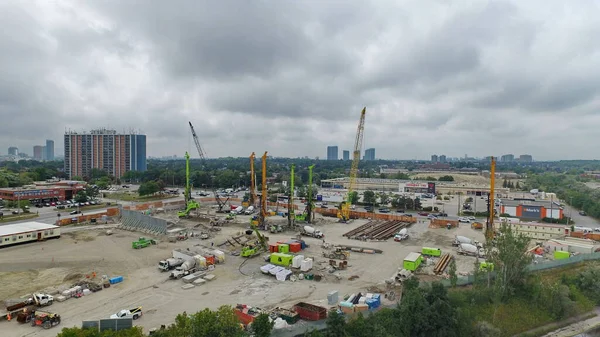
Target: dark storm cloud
(291,77)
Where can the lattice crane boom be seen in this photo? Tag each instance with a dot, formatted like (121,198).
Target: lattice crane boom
(201,152)
(252,180)
(344,213)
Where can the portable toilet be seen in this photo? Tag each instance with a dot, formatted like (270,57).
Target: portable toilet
(412,261)
(431,251)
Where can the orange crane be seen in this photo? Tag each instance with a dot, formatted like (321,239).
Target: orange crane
(489,228)
(253,197)
(344,210)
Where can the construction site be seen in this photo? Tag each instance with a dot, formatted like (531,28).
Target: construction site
(156,261)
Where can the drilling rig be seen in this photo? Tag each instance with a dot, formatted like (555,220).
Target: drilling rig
(344,209)
(253,198)
(262,222)
(291,213)
(489,227)
(190,203)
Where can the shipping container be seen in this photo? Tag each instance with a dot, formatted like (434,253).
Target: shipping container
(412,261)
(281,259)
(310,312)
(560,255)
(431,251)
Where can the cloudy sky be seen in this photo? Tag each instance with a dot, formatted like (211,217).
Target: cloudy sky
(290,77)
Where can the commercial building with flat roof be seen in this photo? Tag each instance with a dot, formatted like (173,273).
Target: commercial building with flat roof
(42,193)
(529,209)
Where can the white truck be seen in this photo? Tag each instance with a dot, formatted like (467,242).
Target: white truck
(471,250)
(42,300)
(133,313)
(402,235)
(311,231)
(458,240)
(249,210)
(238,210)
(171,263)
(188,267)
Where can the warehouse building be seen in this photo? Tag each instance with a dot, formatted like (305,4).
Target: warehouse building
(528,209)
(572,245)
(410,186)
(27,232)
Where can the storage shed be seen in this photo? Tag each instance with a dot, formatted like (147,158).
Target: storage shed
(27,232)
(412,261)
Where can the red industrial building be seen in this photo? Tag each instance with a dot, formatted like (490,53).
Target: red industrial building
(528,209)
(43,193)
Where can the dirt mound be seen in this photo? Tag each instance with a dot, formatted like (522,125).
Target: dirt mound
(72,277)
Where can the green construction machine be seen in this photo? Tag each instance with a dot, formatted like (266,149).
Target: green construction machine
(307,215)
(142,242)
(252,249)
(190,203)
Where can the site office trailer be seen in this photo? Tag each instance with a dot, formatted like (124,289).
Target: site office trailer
(22,235)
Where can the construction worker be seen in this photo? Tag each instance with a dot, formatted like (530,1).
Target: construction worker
(8,317)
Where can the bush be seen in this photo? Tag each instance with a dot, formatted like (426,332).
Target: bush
(563,221)
(471,213)
(446,198)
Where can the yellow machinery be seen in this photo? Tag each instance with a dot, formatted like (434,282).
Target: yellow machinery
(252,181)
(489,228)
(344,210)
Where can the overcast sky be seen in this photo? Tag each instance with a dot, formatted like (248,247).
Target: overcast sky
(290,77)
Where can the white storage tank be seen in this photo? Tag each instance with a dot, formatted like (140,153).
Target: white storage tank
(219,255)
(297,261)
(306,265)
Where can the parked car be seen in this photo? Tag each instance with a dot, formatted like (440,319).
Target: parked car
(582,213)
(15,212)
(401,211)
(74,212)
(384,210)
(464,220)
(442,214)
(423,213)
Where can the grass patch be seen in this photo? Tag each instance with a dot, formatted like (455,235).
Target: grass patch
(135,197)
(15,217)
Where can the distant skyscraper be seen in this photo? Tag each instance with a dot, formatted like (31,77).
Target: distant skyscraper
(369,154)
(526,158)
(13,151)
(44,153)
(49,149)
(346,155)
(332,153)
(106,150)
(37,152)
(434,158)
(507,158)
(442,158)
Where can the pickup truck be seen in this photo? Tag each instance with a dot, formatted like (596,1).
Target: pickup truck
(134,313)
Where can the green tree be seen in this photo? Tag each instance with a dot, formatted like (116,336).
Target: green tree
(416,204)
(81,196)
(510,259)
(384,198)
(3,181)
(369,197)
(452,273)
(262,326)
(79,332)
(354,197)
(336,325)
(148,188)
(446,178)
(401,176)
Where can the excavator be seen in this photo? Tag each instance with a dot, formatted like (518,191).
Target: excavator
(257,247)
(190,203)
(344,208)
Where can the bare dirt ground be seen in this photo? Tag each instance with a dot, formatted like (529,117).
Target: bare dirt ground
(36,266)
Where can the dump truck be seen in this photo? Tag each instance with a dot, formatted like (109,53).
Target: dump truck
(311,231)
(171,263)
(188,267)
(471,250)
(133,313)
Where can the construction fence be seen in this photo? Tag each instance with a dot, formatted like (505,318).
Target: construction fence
(136,221)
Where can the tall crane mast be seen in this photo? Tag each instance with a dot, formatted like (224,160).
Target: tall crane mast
(263,197)
(310,194)
(291,215)
(344,211)
(188,191)
(252,180)
(489,228)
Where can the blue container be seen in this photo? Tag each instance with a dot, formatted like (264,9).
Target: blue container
(115,280)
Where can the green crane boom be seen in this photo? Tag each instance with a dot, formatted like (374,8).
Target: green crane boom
(291,215)
(190,204)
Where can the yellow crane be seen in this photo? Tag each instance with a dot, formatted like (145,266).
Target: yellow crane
(252,181)
(263,197)
(344,210)
(489,229)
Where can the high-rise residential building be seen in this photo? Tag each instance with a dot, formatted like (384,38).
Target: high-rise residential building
(13,151)
(526,158)
(44,153)
(49,149)
(442,158)
(346,155)
(37,152)
(332,153)
(507,158)
(369,154)
(434,158)
(105,150)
